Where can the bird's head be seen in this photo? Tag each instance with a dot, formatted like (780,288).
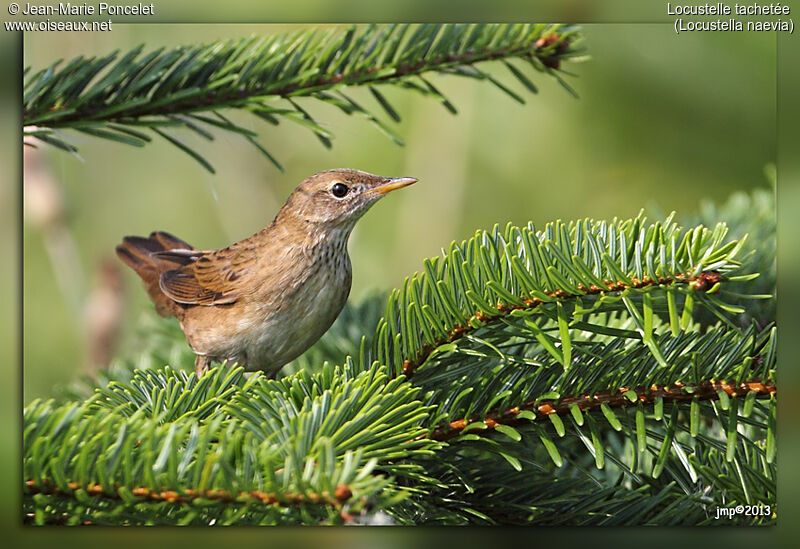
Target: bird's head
(335,199)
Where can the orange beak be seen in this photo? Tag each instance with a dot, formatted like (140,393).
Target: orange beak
(394,183)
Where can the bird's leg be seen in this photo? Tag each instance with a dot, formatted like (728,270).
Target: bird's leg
(201,364)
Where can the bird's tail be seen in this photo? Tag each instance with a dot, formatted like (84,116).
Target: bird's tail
(147,257)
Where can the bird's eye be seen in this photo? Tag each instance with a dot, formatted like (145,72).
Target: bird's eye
(339,190)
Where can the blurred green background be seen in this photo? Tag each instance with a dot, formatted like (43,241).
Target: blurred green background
(663,122)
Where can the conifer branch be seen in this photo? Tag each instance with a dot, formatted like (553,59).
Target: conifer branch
(341,495)
(520,275)
(162,439)
(622,397)
(119,98)
(509,423)
(702,282)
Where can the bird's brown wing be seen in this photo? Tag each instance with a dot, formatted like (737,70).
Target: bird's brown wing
(210,277)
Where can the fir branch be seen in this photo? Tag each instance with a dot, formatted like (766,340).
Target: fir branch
(341,495)
(115,97)
(526,372)
(702,282)
(508,276)
(622,397)
(169,448)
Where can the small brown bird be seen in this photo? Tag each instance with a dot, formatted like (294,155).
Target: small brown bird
(264,300)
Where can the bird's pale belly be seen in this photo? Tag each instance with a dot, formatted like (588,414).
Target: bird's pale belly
(266,336)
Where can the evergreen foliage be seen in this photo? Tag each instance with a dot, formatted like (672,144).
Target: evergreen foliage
(130,98)
(751,214)
(502,385)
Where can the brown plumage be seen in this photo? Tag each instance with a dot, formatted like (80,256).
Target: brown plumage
(264,300)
